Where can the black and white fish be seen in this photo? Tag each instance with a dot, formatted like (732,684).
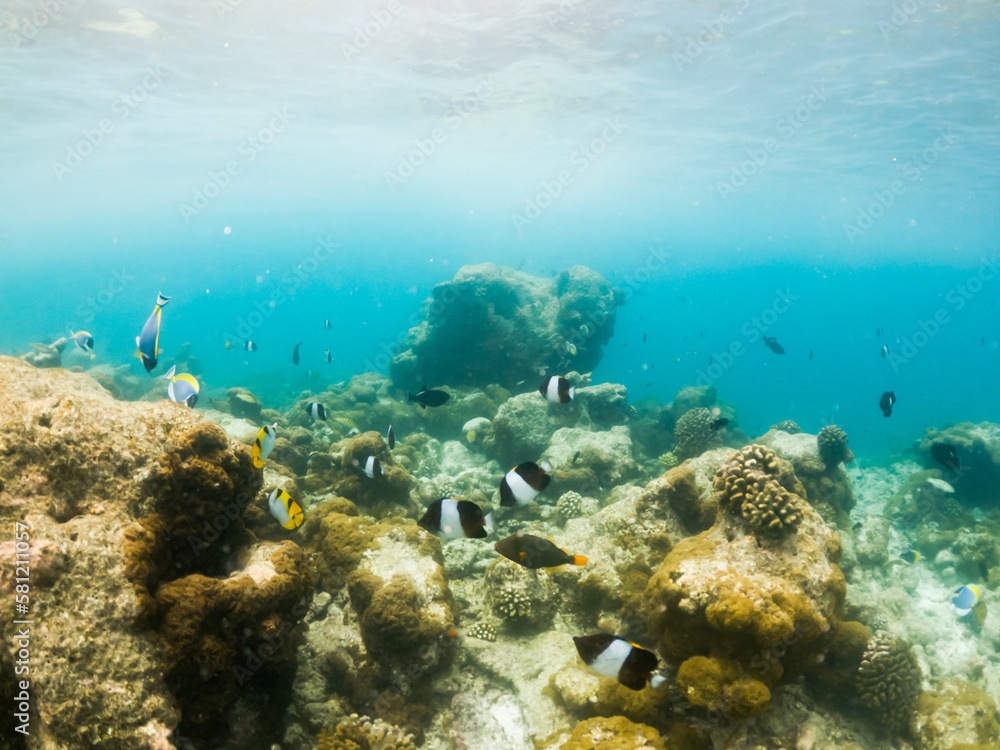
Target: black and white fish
(453,518)
(295,353)
(523,483)
(390,438)
(886,403)
(557,389)
(316,410)
(946,455)
(249,346)
(885,351)
(326,324)
(615,657)
(329,357)
(372,468)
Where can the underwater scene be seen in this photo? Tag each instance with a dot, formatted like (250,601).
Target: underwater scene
(523,375)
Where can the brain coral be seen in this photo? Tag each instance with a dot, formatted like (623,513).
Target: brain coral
(693,433)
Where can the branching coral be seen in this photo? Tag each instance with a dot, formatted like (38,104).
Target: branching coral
(361,733)
(748,486)
(889,679)
(570,505)
(512,603)
(669,460)
(483,631)
(693,433)
(832,442)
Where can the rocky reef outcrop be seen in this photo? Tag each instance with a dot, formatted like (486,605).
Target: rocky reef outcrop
(507,326)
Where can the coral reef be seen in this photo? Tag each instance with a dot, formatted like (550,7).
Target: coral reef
(766,609)
(693,433)
(343,474)
(569,505)
(506,323)
(826,484)
(361,733)
(748,484)
(889,680)
(483,631)
(956,715)
(978,449)
(832,444)
(243,404)
(617,733)
(523,600)
(669,460)
(46,355)
(788,425)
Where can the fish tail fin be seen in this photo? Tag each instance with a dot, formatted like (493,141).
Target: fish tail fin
(656,680)
(161,300)
(490,523)
(579,560)
(170,373)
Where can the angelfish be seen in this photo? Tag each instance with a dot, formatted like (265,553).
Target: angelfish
(148,340)
(613,656)
(557,389)
(372,468)
(522,484)
(286,510)
(886,403)
(183,388)
(264,444)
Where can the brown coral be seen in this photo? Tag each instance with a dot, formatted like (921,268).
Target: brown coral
(889,680)
(693,433)
(747,485)
(377,496)
(832,442)
(361,733)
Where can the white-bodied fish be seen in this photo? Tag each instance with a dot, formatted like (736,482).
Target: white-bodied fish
(264,444)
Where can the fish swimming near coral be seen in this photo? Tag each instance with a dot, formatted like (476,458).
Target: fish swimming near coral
(183,388)
(372,468)
(910,557)
(295,353)
(148,340)
(946,455)
(316,410)
(454,518)
(83,340)
(886,403)
(772,343)
(523,483)
(533,552)
(968,599)
(557,389)
(390,438)
(622,660)
(718,423)
(425,398)
(264,444)
(286,510)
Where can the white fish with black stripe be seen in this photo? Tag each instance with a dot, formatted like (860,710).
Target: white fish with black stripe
(523,483)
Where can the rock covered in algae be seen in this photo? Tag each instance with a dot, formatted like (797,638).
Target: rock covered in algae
(243,404)
(361,733)
(762,608)
(978,450)
(826,484)
(78,468)
(693,433)
(955,715)
(601,733)
(492,322)
(889,680)
(832,444)
(46,355)
(385,494)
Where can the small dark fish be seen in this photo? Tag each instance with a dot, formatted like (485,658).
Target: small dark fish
(885,351)
(295,354)
(982,341)
(427,398)
(390,438)
(857,525)
(534,552)
(810,354)
(575,457)
(946,455)
(329,357)
(772,343)
(911,556)
(644,338)
(326,324)
(249,346)
(886,403)
(719,423)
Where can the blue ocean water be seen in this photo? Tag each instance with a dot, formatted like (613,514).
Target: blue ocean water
(836,166)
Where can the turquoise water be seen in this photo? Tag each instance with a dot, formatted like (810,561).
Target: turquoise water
(707,158)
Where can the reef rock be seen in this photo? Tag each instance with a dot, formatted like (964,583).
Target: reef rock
(978,449)
(243,404)
(46,355)
(740,611)
(491,323)
(956,715)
